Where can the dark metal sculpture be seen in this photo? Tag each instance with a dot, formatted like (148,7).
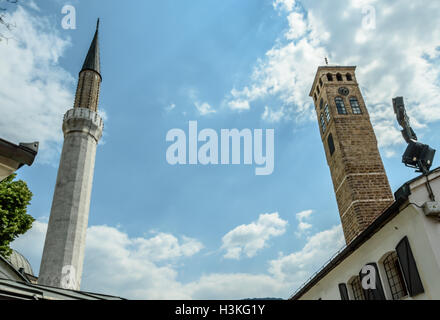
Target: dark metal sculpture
(418,155)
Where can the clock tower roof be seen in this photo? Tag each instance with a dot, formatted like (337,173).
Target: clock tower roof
(319,73)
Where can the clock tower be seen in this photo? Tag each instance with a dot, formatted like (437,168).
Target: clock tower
(359,179)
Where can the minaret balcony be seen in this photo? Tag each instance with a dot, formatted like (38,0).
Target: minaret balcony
(83,120)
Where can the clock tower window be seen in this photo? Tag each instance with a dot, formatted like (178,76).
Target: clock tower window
(340,105)
(355,107)
(327,113)
(323,126)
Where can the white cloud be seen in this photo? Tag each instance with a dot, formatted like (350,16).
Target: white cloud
(273,116)
(135,268)
(297,26)
(296,267)
(303,226)
(204,108)
(285,4)
(251,238)
(32,5)
(235,286)
(300,216)
(119,265)
(35,91)
(285,273)
(285,72)
(31,243)
(239,105)
(166,246)
(170,108)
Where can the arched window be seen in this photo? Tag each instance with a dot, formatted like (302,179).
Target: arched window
(321,103)
(329,77)
(327,113)
(340,105)
(349,77)
(356,289)
(331,144)
(395,276)
(339,77)
(354,103)
(320,82)
(343,291)
(317,89)
(323,126)
(315,97)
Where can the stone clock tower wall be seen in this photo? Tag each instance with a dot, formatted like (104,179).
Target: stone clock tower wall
(359,179)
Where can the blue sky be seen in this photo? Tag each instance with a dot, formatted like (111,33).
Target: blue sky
(162,231)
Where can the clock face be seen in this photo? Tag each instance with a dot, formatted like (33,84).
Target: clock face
(344,91)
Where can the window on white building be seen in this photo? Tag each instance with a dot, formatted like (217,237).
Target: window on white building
(395,276)
(343,291)
(356,288)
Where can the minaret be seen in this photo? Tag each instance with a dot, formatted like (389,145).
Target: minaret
(63,255)
(359,179)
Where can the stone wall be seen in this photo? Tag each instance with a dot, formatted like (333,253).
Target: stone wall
(359,179)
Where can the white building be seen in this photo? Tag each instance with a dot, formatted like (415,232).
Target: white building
(403,244)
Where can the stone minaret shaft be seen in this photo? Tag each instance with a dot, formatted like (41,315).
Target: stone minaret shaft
(359,179)
(63,255)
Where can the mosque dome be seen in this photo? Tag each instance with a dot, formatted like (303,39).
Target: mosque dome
(18,261)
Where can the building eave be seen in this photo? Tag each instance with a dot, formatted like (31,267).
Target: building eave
(16,290)
(18,273)
(22,154)
(13,157)
(393,210)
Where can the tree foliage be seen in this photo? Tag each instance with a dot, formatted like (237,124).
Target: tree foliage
(15,196)
(4,23)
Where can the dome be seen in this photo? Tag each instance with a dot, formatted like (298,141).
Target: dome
(19,262)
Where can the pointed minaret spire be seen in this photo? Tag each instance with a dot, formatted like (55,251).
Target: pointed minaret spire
(89,83)
(92,61)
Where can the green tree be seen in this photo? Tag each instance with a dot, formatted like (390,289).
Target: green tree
(15,196)
(5,24)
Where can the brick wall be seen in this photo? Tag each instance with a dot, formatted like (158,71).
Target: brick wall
(87,92)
